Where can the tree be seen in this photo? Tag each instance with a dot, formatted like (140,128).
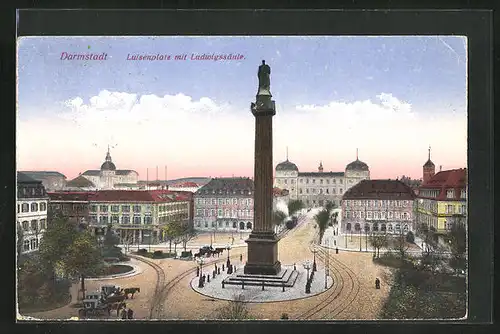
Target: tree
(59,236)
(237,309)
(295,206)
(278,217)
(322,218)
(83,256)
(410,237)
(172,231)
(110,242)
(188,233)
(378,241)
(399,244)
(20,241)
(457,239)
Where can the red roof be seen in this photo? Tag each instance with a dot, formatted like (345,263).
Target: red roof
(70,196)
(455,179)
(137,196)
(379,190)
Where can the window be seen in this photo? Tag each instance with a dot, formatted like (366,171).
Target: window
(389,228)
(137,219)
(464,210)
(235,201)
(321,181)
(367,228)
(307,191)
(334,191)
(397,213)
(125,219)
(382,227)
(18,208)
(137,208)
(34,207)
(198,224)
(369,214)
(26,245)
(219,212)
(321,191)
(450,193)
(43,224)
(375,227)
(148,220)
(206,224)
(300,191)
(43,206)
(213,224)
(327,181)
(307,181)
(348,227)
(340,181)
(114,208)
(93,208)
(25,225)
(450,209)
(114,219)
(320,202)
(103,219)
(357,227)
(314,180)
(327,190)
(103,208)
(334,181)
(34,225)
(286,181)
(463,193)
(340,190)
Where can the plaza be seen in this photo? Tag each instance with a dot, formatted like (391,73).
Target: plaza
(352,296)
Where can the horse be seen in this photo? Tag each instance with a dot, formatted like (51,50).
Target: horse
(131,291)
(196,255)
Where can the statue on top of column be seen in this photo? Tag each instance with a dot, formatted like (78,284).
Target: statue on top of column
(264,80)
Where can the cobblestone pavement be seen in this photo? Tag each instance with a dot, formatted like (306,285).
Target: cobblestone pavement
(358,298)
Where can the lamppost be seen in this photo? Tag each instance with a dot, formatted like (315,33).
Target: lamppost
(200,281)
(360,238)
(307,266)
(314,250)
(366,240)
(228,262)
(327,263)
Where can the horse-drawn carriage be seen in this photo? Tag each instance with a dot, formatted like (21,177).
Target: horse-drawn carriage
(94,307)
(209,251)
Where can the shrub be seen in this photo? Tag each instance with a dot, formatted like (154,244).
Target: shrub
(142,251)
(284,316)
(410,237)
(158,254)
(187,254)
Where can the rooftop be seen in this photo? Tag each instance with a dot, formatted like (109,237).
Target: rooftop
(322,174)
(42,174)
(138,196)
(447,179)
(380,190)
(24,178)
(228,186)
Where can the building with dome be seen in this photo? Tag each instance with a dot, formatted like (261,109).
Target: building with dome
(108,177)
(317,188)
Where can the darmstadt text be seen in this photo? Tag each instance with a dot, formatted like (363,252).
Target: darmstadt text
(184,56)
(84,56)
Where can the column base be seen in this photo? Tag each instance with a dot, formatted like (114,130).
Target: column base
(262,254)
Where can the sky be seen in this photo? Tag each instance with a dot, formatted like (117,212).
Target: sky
(389,97)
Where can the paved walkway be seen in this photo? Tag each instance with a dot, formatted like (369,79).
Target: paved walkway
(255,294)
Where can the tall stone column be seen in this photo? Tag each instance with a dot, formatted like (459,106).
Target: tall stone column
(262,242)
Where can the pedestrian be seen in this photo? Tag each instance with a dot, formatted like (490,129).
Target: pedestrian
(130,314)
(123,313)
(241,257)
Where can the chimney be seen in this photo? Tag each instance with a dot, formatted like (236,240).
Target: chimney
(440,167)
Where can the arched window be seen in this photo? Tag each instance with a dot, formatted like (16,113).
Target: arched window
(25,225)
(43,206)
(34,207)
(348,227)
(382,227)
(357,227)
(25,207)
(398,228)
(235,224)
(375,227)
(389,228)
(249,226)
(242,225)
(367,228)
(405,228)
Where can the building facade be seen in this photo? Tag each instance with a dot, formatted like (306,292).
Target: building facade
(224,204)
(281,197)
(136,215)
(316,188)
(51,181)
(32,202)
(379,206)
(442,200)
(73,205)
(108,177)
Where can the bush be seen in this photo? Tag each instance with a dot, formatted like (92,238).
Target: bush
(142,251)
(187,254)
(284,316)
(410,237)
(158,254)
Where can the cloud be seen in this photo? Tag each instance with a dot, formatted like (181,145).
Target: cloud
(208,137)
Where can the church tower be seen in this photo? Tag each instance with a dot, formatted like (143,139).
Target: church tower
(108,169)
(429,169)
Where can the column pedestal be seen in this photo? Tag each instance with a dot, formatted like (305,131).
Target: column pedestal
(262,254)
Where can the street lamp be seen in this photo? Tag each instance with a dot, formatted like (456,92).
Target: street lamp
(200,281)
(307,266)
(314,250)
(228,262)
(327,263)
(360,238)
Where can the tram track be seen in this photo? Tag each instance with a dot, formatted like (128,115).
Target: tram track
(349,285)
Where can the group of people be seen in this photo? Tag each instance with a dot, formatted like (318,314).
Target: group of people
(124,312)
